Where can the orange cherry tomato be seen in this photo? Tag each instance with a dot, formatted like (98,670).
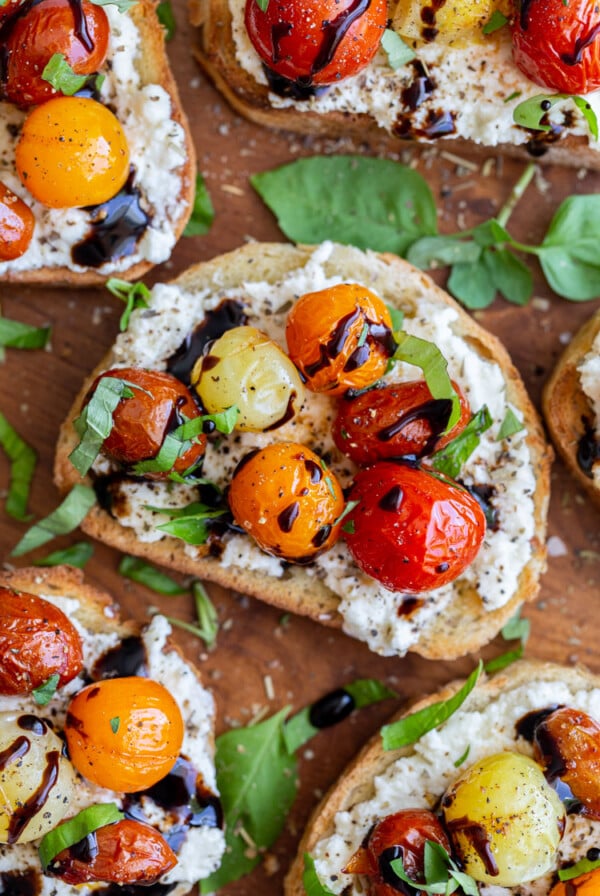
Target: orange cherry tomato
(72,152)
(316,41)
(395,420)
(410,530)
(37,640)
(340,338)
(16,225)
(50,27)
(127,852)
(124,733)
(141,423)
(584,885)
(567,744)
(287,501)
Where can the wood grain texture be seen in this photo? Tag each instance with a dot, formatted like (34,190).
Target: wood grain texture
(302,659)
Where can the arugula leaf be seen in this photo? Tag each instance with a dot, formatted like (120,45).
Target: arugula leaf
(369,203)
(451,458)
(208,621)
(509,426)
(76,555)
(530,113)
(61,76)
(95,422)
(583,866)
(14,334)
(203,211)
(427,356)
(496,21)
(166,17)
(398,53)
(44,692)
(77,828)
(145,574)
(568,253)
(310,879)
(409,729)
(67,516)
(22,459)
(135,295)
(515,629)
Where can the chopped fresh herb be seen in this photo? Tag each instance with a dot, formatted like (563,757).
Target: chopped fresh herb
(531,113)
(75,829)
(190,523)
(166,17)
(310,879)
(363,335)
(61,76)
(67,516)
(44,693)
(350,505)
(509,426)
(515,629)
(442,875)
(203,211)
(458,762)
(262,4)
(22,465)
(349,527)
(583,866)
(148,575)
(208,621)
(427,356)
(398,53)
(95,422)
(115,723)
(396,316)
(512,96)
(135,295)
(450,459)
(76,555)
(496,21)
(14,334)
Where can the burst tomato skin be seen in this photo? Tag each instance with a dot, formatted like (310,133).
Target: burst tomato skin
(410,530)
(127,852)
(316,41)
(584,885)
(16,225)
(47,28)
(567,744)
(37,640)
(557,44)
(395,420)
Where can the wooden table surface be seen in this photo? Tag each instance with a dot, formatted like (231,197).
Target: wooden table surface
(302,659)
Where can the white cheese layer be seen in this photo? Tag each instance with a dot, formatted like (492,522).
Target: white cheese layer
(369,610)
(157,150)
(420,779)
(589,376)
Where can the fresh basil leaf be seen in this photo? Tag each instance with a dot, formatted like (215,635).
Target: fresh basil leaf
(504,659)
(367,691)
(206,614)
(370,203)
(191,523)
(470,284)
(516,628)
(510,276)
(490,233)
(397,867)
(22,460)
(122,5)
(451,458)
(427,356)
(59,74)
(398,53)
(166,17)
(75,829)
(67,516)
(440,871)
(14,334)
(95,422)
(496,21)
(179,441)
(263,5)
(463,758)
(396,317)
(203,211)
(409,729)
(310,879)
(465,881)
(148,575)
(530,113)
(435,862)
(588,113)
(509,426)
(348,508)
(75,555)
(44,692)
(583,866)
(135,295)
(431,251)
(115,724)
(298,730)
(568,253)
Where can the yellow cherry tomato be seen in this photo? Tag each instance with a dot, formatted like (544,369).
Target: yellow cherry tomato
(124,733)
(72,152)
(584,885)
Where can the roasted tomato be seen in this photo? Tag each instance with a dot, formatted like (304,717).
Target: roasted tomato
(340,338)
(584,885)
(72,152)
(9,8)
(396,420)
(316,41)
(141,423)
(37,640)
(286,499)
(557,44)
(567,744)
(399,836)
(124,733)
(50,27)
(127,852)
(410,530)
(16,225)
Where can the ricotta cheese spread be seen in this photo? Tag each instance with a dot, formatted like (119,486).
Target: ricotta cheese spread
(589,376)
(158,153)
(368,609)
(203,847)
(419,779)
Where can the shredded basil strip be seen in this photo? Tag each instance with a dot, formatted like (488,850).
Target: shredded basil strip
(14,334)
(145,574)
(44,692)
(583,866)
(77,828)
(426,355)
(450,459)
(496,21)
(206,614)
(95,422)
(310,879)
(76,555)
(190,523)
(515,629)
(67,516)
(529,113)
(398,53)
(509,426)
(262,5)
(22,459)
(409,729)
(59,74)
(442,875)
(166,17)
(135,295)
(463,758)
(203,211)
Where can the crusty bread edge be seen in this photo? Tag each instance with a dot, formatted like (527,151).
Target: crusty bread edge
(462,627)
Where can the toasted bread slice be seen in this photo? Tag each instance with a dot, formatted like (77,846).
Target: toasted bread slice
(568,411)
(96,618)
(379,782)
(138,82)
(465,620)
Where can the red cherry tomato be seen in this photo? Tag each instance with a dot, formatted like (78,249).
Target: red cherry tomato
(141,423)
(584,885)
(557,44)
(567,744)
(402,835)
(9,8)
(50,27)
(410,530)
(316,41)
(16,225)
(37,640)
(127,852)
(394,421)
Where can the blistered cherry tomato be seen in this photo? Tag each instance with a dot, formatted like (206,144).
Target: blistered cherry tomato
(16,225)
(340,338)
(72,152)
(287,501)
(141,423)
(50,27)
(567,744)
(124,733)
(37,640)
(398,836)
(127,852)
(9,8)
(395,420)
(410,530)
(557,44)
(584,885)
(316,41)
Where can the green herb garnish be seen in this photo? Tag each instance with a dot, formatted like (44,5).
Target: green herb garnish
(496,21)
(583,866)
(166,17)
(95,422)
(203,211)
(135,295)
(145,574)
(59,74)
(398,53)
(76,555)
(530,113)
(14,334)
(516,629)
(427,356)
(451,458)
(22,460)
(67,516)
(44,692)
(509,426)
(75,829)
(442,875)
(310,879)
